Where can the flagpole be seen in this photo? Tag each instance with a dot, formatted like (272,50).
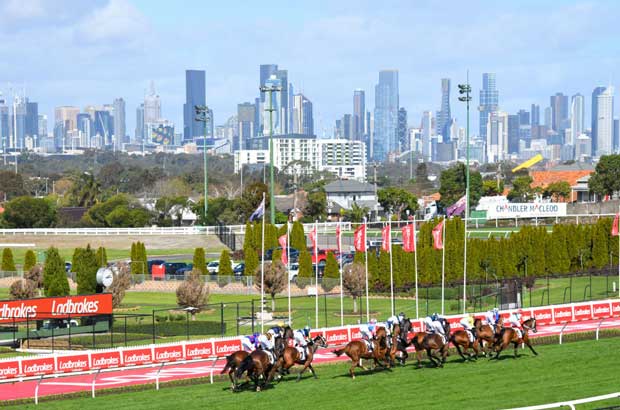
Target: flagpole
(391,267)
(288,269)
(443,265)
(340,250)
(316,272)
(262,273)
(366,263)
(415,256)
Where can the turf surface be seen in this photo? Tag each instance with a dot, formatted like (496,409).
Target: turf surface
(560,372)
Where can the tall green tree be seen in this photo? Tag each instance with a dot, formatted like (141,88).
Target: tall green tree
(305,265)
(332,269)
(85,268)
(30,260)
(298,237)
(316,206)
(453,184)
(600,242)
(55,281)
(29,212)
(397,201)
(251,262)
(199,261)
(606,178)
(11,185)
(225,268)
(522,190)
(86,190)
(102,257)
(8,264)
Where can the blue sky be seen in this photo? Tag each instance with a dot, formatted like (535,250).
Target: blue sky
(75,52)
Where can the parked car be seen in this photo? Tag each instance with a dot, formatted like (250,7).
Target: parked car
(59,324)
(152,262)
(173,267)
(293,272)
(67,267)
(185,270)
(346,258)
(239,269)
(322,254)
(213,267)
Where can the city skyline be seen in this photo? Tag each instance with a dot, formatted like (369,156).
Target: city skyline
(132,34)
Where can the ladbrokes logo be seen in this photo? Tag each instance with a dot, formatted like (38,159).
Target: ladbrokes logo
(9,371)
(542,316)
(563,313)
(106,361)
(72,364)
(582,311)
(602,309)
(168,354)
(133,358)
(337,337)
(23,310)
(226,348)
(70,307)
(199,351)
(38,368)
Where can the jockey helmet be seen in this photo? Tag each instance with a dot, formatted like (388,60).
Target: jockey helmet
(271,332)
(306,331)
(434,316)
(373,321)
(280,324)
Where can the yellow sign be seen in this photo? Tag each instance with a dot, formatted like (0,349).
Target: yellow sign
(535,159)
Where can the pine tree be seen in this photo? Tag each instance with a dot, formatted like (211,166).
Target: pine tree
(225,268)
(199,261)
(30,260)
(86,270)
(600,250)
(134,259)
(251,262)
(248,238)
(8,264)
(305,265)
(102,257)
(143,259)
(298,238)
(54,276)
(332,269)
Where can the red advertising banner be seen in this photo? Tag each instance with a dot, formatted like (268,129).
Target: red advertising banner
(169,353)
(73,363)
(601,310)
(563,314)
(226,347)
(198,350)
(37,366)
(315,333)
(355,333)
(337,336)
(9,369)
(583,312)
(45,308)
(104,360)
(135,357)
(543,316)
(615,308)
(417,326)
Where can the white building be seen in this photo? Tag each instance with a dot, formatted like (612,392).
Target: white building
(497,136)
(577,118)
(605,122)
(293,155)
(343,194)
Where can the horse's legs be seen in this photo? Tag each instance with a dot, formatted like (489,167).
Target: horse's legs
(232,380)
(516,345)
(475,347)
(312,370)
(458,349)
(531,348)
(429,353)
(418,355)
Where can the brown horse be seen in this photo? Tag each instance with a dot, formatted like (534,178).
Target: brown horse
(509,335)
(429,342)
(233,362)
(358,350)
(460,339)
(291,357)
(258,367)
(400,342)
(486,335)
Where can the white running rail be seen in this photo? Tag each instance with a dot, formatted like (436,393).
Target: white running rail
(570,404)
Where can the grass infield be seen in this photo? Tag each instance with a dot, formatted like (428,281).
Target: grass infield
(560,372)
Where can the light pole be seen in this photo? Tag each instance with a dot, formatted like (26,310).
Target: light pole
(466,89)
(270,90)
(202,115)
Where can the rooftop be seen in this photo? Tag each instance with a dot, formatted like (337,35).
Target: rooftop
(348,186)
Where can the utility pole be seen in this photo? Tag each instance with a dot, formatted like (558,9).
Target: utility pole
(202,115)
(270,90)
(466,89)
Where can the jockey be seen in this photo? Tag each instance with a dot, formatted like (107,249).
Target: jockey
(301,337)
(265,342)
(515,322)
(391,322)
(492,317)
(434,325)
(277,330)
(368,332)
(250,342)
(468,324)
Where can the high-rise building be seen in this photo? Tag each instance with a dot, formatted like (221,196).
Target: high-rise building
(103,126)
(577,118)
(245,116)
(535,115)
(548,118)
(195,94)
(489,101)
(4,124)
(605,122)
(497,136)
(427,133)
(303,122)
(616,135)
(403,138)
(282,75)
(386,115)
(152,106)
(525,127)
(42,124)
(32,120)
(513,134)
(359,114)
(444,117)
(65,120)
(559,112)
(139,134)
(120,131)
(85,129)
(595,93)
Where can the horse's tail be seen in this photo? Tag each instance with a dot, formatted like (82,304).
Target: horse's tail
(229,362)
(246,365)
(339,352)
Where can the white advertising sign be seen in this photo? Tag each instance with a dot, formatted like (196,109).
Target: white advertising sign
(526,210)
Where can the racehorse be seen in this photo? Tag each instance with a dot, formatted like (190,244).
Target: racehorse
(257,366)
(357,350)
(233,362)
(283,341)
(509,335)
(291,357)
(430,342)
(460,338)
(485,334)
(400,341)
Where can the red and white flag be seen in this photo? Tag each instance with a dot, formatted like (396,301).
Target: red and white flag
(312,236)
(282,240)
(438,236)
(338,238)
(409,238)
(614,227)
(386,238)
(359,239)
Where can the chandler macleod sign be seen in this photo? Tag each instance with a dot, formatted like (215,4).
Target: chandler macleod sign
(527,210)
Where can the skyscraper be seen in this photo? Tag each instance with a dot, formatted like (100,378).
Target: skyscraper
(303,122)
(616,134)
(359,114)
(577,117)
(497,136)
(85,129)
(595,93)
(444,117)
(120,131)
(386,115)
(489,101)
(282,75)
(4,124)
(245,116)
(513,134)
(535,113)
(195,94)
(65,122)
(152,106)
(139,134)
(403,137)
(427,133)
(559,112)
(605,122)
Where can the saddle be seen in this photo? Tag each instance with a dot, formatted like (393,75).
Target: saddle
(470,335)
(369,345)
(302,353)
(271,356)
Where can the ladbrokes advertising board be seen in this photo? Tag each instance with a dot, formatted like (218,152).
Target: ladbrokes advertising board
(47,308)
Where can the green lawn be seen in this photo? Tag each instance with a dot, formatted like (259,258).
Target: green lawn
(567,372)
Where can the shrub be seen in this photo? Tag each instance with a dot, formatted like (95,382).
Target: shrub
(23,289)
(30,259)
(199,261)
(55,281)
(225,268)
(8,264)
(193,292)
